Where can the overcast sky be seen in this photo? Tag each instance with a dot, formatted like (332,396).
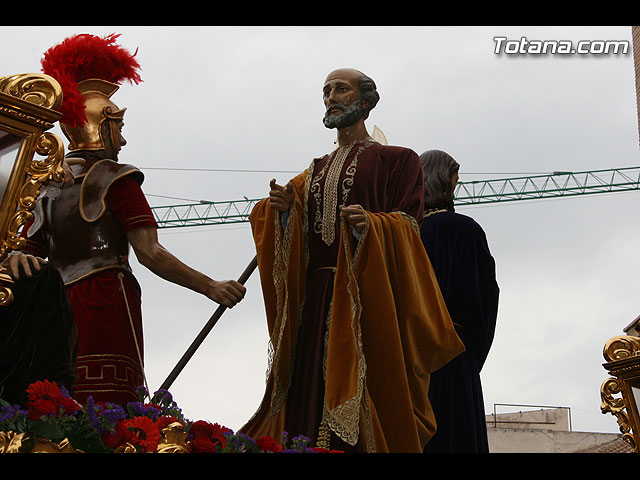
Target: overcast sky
(251,98)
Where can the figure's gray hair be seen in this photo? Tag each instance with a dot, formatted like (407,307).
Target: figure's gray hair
(368,92)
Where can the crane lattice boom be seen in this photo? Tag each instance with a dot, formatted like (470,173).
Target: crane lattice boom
(557,184)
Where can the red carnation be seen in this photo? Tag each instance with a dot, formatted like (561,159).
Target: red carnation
(207,437)
(46,398)
(268,444)
(43,390)
(118,437)
(143,432)
(38,408)
(68,404)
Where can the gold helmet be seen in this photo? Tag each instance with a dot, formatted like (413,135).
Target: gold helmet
(98,109)
(89,70)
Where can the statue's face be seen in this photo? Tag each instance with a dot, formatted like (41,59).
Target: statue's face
(341,97)
(114,140)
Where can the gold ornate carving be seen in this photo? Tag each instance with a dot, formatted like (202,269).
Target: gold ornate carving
(623,363)
(28,107)
(126,448)
(43,445)
(6,296)
(38,173)
(622,347)
(12,442)
(174,439)
(617,407)
(36,88)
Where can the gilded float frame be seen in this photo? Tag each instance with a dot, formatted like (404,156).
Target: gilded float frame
(28,108)
(622,354)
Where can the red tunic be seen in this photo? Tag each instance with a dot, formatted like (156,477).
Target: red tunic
(109,352)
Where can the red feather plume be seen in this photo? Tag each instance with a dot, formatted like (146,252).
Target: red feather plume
(82,57)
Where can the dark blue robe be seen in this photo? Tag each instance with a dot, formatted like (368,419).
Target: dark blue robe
(458,249)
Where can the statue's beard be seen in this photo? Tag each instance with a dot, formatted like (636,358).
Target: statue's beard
(349,114)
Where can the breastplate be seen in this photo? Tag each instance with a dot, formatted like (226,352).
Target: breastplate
(83,235)
(78,248)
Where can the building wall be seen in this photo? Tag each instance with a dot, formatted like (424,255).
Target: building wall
(540,419)
(545,430)
(504,440)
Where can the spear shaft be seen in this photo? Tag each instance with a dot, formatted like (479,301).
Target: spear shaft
(205,330)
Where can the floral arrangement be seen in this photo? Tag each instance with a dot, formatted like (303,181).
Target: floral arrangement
(55,422)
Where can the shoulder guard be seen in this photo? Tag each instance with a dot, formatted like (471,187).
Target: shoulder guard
(96,184)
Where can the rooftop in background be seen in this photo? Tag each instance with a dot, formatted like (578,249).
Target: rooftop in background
(546,430)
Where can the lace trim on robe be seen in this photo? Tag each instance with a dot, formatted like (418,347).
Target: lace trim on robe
(282,248)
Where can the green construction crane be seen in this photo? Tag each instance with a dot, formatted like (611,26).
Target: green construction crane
(474,192)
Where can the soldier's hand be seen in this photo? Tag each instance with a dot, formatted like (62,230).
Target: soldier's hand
(226,292)
(19,262)
(355,216)
(280,198)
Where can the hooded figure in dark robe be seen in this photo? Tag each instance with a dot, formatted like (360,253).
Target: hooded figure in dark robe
(458,249)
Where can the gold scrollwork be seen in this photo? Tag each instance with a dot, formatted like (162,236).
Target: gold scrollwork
(6,296)
(621,347)
(43,445)
(39,172)
(174,439)
(617,407)
(126,448)
(36,88)
(13,442)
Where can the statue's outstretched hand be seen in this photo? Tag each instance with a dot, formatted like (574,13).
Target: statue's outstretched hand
(226,292)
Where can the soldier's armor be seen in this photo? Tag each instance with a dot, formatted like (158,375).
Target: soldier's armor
(81,233)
